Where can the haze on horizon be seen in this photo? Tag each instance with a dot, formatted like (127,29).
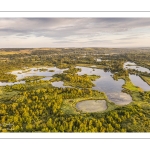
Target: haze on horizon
(74,32)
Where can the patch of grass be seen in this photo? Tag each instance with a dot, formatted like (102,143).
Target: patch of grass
(32,78)
(111,106)
(6,96)
(67,106)
(136,96)
(90,66)
(63,66)
(43,69)
(146,79)
(101,66)
(93,77)
(85,65)
(130,86)
(24,71)
(51,70)
(72,70)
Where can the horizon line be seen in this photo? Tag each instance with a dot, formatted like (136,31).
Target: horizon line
(71,47)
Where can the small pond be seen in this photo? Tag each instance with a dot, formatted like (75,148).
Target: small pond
(132,65)
(92,105)
(59,84)
(98,60)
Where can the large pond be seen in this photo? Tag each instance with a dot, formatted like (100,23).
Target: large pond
(92,105)
(136,80)
(47,72)
(107,84)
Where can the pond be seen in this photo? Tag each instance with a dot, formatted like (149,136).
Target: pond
(41,71)
(132,65)
(98,60)
(37,72)
(91,105)
(59,84)
(135,79)
(107,84)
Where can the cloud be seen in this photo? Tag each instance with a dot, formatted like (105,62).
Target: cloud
(73,30)
(65,27)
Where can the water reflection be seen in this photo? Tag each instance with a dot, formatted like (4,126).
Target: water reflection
(91,105)
(37,72)
(21,74)
(105,83)
(132,65)
(108,85)
(59,84)
(135,79)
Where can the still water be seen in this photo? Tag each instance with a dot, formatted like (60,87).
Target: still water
(59,84)
(132,65)
(135,79)
(105,83)
(21,74)
(108,85)
(36,72)
(92,105)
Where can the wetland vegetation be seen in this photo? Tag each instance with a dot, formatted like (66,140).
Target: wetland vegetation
(75,90)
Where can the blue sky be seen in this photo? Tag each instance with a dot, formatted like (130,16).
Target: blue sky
(74,32)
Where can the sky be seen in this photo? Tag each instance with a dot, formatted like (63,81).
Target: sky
(74,32)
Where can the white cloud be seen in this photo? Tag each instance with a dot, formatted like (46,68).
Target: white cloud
(51,32)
